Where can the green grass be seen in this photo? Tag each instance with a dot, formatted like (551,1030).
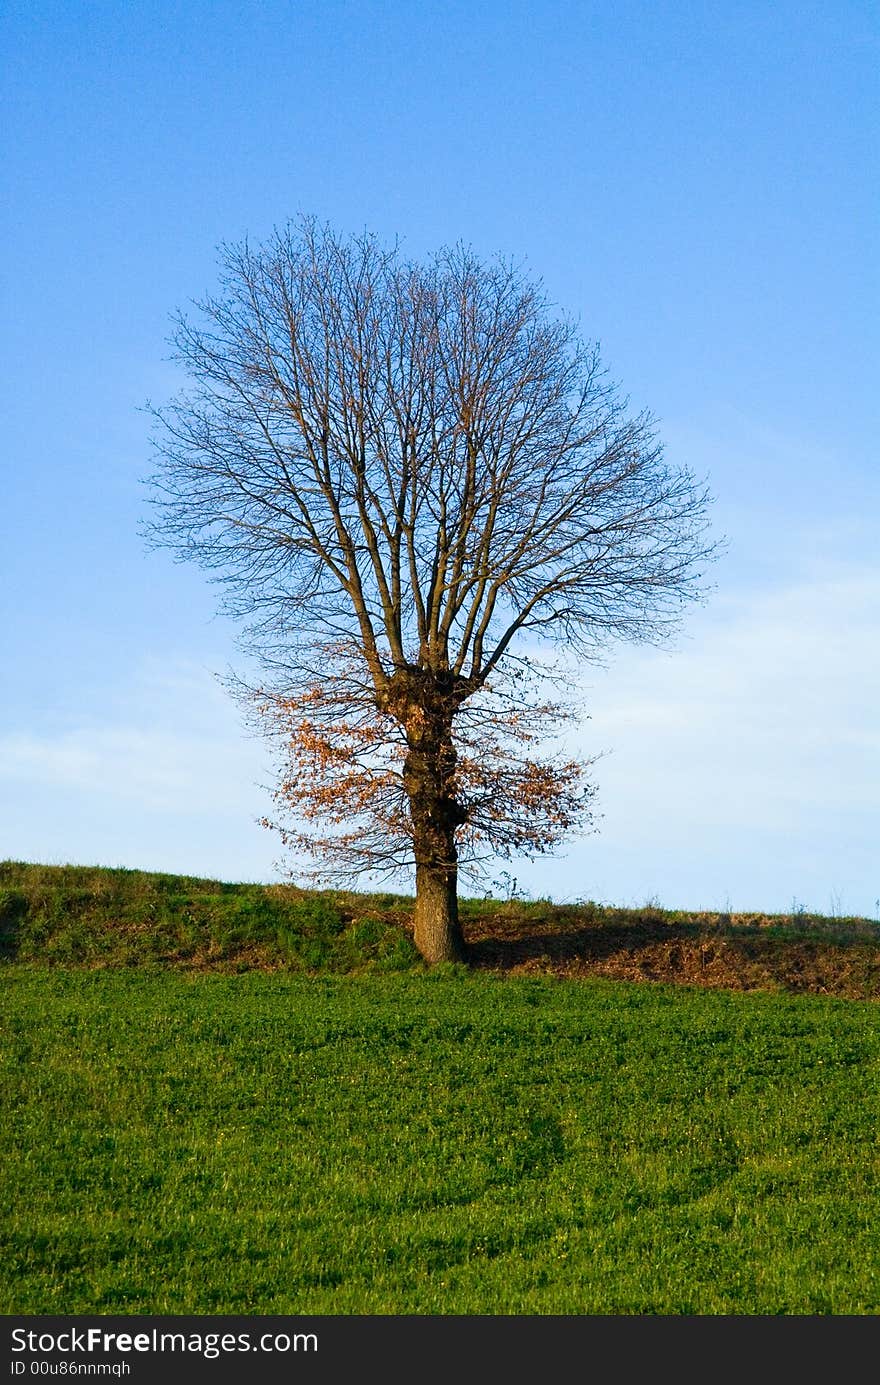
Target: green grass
(97,916)
(267,1142)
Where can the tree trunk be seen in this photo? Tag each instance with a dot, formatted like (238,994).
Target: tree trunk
(438,934)
(429,780)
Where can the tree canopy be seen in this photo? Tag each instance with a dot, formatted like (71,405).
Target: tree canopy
(404,475)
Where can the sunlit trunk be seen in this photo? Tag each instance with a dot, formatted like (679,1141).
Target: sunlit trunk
(435,815)
(438,935)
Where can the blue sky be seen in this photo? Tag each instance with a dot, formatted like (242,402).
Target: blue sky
(696,182)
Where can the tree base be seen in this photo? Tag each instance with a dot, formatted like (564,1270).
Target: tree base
(438,934)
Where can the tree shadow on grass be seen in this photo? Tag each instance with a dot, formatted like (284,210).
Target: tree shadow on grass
(736,958)
(13,909)
(504,949)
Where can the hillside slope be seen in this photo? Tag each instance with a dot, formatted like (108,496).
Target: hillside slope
(98,916)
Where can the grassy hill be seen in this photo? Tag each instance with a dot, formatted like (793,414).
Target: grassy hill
(95,916)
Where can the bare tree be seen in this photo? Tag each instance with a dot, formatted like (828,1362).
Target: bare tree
(400,472)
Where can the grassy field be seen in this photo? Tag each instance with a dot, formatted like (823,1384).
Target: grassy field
(452,1142)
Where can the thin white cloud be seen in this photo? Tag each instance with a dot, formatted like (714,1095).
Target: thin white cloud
(171,738)
(753,751)
(167,780)
(159,769)
(743,767)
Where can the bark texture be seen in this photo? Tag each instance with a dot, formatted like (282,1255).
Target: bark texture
(435,813)
(438,934)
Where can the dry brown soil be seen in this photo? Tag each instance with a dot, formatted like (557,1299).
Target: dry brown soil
(738,953)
